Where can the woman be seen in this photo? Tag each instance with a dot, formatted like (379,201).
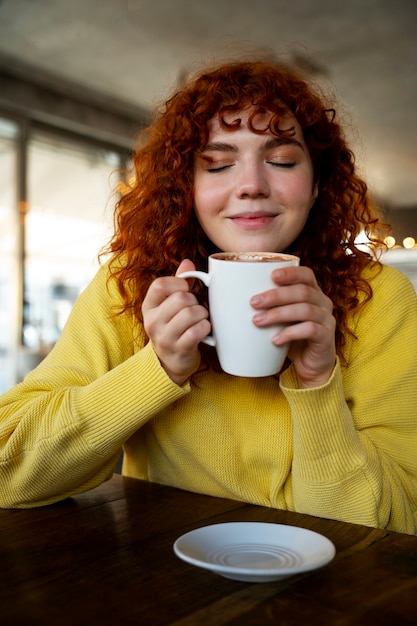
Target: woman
(246,156)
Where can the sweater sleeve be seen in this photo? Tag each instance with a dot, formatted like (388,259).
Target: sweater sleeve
(355,438)
(62,428)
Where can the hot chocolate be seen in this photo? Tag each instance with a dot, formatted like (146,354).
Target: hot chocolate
(252,257)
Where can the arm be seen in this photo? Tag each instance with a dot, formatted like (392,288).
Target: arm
(355,438)
(62,429)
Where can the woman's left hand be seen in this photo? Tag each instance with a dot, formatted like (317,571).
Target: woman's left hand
(299,302)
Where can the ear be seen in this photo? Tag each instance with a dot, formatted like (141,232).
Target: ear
(315,193)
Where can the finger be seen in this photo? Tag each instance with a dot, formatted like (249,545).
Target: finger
(294,274)
(190,326)
(161,289)
(156,318)
(293,313)
(270,302)
(182,312)
(301,285)
(313,331)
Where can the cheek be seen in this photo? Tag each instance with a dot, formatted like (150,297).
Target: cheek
(198,200)
(305,192)
(208,199)
(203,209)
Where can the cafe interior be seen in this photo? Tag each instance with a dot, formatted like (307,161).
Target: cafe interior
(79,79)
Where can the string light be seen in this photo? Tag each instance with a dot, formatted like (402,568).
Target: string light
(409,243)
(390,241)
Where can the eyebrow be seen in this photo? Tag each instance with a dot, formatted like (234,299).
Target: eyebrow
(273,142)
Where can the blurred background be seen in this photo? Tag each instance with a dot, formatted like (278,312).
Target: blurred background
(79,79)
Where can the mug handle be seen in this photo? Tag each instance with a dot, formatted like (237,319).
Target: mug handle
(205,277)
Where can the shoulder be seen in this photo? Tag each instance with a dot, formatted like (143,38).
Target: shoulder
(102,289)
(388,284)
(393,301)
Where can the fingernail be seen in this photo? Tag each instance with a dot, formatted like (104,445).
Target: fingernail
(256,300)
(259,317)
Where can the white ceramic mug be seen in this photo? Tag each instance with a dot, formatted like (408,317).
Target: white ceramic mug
(232,279)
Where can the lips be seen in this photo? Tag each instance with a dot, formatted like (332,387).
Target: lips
(257,219)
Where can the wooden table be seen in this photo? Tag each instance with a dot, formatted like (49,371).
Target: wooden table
(106,557)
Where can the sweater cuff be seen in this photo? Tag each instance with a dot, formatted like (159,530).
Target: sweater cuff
(115,405)
(288,379)
(326,443)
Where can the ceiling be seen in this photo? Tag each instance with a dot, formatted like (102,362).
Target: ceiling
(136,51)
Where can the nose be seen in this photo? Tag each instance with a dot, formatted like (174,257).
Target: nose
(252,182)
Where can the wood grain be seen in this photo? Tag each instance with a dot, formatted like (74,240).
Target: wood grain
(106,557)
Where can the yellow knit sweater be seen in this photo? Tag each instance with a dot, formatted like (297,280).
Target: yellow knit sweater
(346,450)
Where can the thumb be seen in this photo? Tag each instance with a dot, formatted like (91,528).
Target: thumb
(185,266)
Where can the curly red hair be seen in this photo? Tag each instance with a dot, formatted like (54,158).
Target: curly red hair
(156,227)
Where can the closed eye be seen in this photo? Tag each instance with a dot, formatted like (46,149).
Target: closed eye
(285,164)
(218,168)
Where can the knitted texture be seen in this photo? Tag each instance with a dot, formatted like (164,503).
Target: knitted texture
(346,450)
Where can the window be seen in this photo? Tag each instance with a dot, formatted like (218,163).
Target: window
(68,219)
(70,215)
(9,309)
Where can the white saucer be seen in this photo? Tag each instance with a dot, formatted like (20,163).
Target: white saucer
(255,551)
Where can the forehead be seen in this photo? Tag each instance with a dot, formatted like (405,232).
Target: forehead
(258,122)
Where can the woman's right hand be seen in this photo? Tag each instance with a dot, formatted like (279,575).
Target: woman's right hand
(175,323)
